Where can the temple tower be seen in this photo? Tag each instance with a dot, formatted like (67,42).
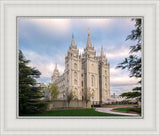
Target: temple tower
(104,77)
(73,71)
(90,68)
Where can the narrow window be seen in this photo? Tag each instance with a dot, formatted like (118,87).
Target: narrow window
(92,80)
(92,68)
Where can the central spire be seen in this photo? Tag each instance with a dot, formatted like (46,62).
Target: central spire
(73,43)
(89,44)
(88,32)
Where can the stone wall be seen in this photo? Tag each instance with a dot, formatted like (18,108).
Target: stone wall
(73,103)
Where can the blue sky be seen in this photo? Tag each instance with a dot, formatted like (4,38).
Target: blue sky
(45,41)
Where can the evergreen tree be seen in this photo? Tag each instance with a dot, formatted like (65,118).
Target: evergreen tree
(29,92)
(133,62)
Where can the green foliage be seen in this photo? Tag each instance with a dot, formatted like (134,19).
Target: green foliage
(53,90)
(74,95)
(133,63)
(128,109)
(138,110)
(137,89)
(131,94)
(136,35)
(29,92)
(76,112)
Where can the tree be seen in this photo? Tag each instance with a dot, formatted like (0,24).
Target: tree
(29,91)
(74,95)
(133,62)
(69,97)
(43,89)
(131,94)
(53,89)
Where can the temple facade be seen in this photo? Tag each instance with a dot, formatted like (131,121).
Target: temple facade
(85,76)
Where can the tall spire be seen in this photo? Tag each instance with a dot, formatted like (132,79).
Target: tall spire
(88,32)
(102,53)
(73,43)
(56,66)
(55,74)
(89,44)
(56,69)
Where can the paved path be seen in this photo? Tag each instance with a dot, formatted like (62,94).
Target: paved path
(109,110)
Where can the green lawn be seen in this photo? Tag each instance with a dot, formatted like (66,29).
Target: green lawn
(128,109)
(78,112)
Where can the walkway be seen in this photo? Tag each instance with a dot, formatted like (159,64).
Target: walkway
(109,110)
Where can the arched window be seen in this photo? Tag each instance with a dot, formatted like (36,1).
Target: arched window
(75,66)
(75,81)
(75,74)
(105,79)
(92,80)
(106,93)
(92,68)
(105,85)
(105,72)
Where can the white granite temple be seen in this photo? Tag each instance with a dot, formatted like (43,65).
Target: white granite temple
(86,72)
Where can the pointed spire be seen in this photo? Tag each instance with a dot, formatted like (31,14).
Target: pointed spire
(88,32)
(56,66)
(89,44)
(102,53)
(55,74)
(73,43)
(56,71)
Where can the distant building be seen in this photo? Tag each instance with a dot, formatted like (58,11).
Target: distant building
(84,72)
(117,98)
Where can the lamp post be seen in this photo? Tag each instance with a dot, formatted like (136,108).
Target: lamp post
(63,99)
(93,100)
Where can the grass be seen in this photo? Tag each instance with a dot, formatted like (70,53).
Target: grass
(128,110)
(77,112)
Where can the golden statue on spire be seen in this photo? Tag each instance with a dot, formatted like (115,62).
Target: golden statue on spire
(88,32)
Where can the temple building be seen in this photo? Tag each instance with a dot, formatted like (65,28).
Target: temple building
(84,74)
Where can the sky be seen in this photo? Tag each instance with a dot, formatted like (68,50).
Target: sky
(45,42)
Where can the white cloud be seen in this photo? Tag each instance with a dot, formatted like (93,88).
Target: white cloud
(52,26)
(43,63)
(60,25)
(122,80)
(114,71)
(121,53)
(99,22)
(112,52)
(119,77)
(121,89)
(81,50)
